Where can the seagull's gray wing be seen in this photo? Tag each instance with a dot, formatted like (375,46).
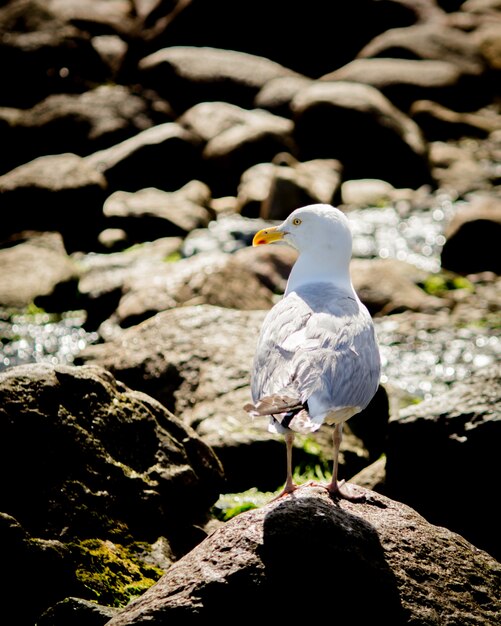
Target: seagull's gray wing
(317,349)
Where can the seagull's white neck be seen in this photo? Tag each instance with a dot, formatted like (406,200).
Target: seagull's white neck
(321,267)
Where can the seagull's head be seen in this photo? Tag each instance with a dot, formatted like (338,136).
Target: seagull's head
(317,229)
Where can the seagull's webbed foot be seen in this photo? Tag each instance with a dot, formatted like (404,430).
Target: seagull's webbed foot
(289,488)
(340,489)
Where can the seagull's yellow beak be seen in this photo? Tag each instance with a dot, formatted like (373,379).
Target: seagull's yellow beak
(267,235)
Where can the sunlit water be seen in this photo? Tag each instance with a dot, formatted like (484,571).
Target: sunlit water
(43,338)
(421,365)
(425,364)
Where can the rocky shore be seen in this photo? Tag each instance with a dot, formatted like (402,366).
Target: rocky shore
(145,142)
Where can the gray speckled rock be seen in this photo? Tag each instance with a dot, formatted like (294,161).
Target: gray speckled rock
(384,562)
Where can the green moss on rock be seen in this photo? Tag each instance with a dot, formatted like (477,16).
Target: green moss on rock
(112,573)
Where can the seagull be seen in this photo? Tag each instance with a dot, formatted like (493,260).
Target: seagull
(317,358)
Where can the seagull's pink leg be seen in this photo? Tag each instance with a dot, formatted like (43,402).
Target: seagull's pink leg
(290,486)
(334,487)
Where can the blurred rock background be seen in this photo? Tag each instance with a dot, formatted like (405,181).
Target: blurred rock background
(143,144)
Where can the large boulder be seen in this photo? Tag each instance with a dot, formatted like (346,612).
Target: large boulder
(179,356)
(92,455)
(165,156)
(356,124)
(442,453)
(78,611)
(388,286)
(311,42)
(431,40)
(197,361)
(441,123)
(61,193)
(457,168)
(99,475)
(187,75)
(213,278)
(403,81)
(236,139)
(472,238)
(277,94)
(104,276)
(446,41)
(37,268)
(273,190)
(406,570)
(49,560)
(42,53)
(78,123)
(151,213)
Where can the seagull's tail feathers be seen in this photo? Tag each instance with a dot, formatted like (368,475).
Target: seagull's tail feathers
(285,413)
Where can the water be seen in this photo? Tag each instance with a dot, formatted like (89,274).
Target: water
(420,363)
(424,364)
(42,338)
(400,233)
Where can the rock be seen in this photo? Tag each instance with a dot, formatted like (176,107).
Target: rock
(403,81)
(366,192)
(444,450)
(178,356)
(410,571)
(49,560)
(276,95)
(112,51)
(325,114)
(210,119)
(271,264)
(95,459)
(212,278)
(238,442)
(113,239)
(440,123)
(236,139)
(196,360)
(187,75)
(389,286)
(481,6)
(432,40)
(78,123)
(481,303)
(60,193)
(458,169)
(314,30)
(165,156)
(38,266)
(151,213)
(472,238)
(114,15)
(487,38)
(273,190)
(41,53)
(78,612)
(371,477)
(103,276)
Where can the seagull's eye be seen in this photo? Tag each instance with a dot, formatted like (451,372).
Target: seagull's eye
(296,221)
